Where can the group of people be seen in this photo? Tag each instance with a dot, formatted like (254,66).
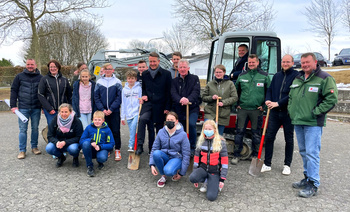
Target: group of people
(167,101)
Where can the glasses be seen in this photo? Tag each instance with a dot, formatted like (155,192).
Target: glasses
(108,69)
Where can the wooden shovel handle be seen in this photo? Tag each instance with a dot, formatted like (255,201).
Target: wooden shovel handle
(217,111)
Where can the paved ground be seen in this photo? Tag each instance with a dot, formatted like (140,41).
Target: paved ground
(34,184)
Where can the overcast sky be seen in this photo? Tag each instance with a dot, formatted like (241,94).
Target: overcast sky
(144,20)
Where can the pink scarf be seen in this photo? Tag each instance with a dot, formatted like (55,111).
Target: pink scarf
(65,124)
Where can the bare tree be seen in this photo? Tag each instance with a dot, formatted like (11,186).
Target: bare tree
(20,20)
(69,42)
(203,17)
(178,39)
(135,43)
(288,50)
(323,16)
(346,13)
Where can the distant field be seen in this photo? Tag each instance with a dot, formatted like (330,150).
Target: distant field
(5,93)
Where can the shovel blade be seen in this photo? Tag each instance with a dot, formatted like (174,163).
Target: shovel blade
(255,167)
(133,161)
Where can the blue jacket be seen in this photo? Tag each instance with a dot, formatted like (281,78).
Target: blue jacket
(130,102)
(176,146)
(75,97)
(24,88)
(280,87)
(108,92)
(189,88)
(103,136)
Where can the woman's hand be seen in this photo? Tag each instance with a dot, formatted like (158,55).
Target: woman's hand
(123,122)
(177,177)
(221,104)
(52,112)
(215,97)
(195,185)
(154,170)
(60,144)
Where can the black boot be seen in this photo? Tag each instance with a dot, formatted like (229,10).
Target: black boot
(60,161)
(301,184)
(75,162)
(139,150)
(309,191)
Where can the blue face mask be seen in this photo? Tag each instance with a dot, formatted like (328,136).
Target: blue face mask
(208,133)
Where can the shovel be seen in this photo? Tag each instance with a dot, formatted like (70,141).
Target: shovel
(257,163)
(217,112)
(187,121)
(134,160)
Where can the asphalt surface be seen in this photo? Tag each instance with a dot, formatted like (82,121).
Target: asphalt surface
(35,184)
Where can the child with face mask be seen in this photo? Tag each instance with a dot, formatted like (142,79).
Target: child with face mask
(171,151)
(210,161)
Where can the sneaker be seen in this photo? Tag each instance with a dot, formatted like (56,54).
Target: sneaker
(161,182)
(265,168)
(60,161)
(75,162)
(309,191)
(286,170)
(203,188)
(100,166)
(36,151)
(90,171)
(235,160)
(139,150)
(301,184)
(130,149)
(118,156)
(21,155)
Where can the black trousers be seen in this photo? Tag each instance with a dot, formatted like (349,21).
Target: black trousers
(146,119)
(276,120)
(199,175)
(113,122)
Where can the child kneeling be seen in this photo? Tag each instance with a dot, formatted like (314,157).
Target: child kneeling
(96,141)
(210,160)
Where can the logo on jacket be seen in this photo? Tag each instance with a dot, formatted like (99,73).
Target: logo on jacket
(313,89)
(259,84)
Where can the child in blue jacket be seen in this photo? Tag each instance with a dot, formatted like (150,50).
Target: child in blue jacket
(131,93)
(96,141)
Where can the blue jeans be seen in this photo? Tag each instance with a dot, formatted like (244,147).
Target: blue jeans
(34,116)
(90,153)
(49,116)
(85,119)
(192,128)
(309,141)
(72,149)
(132,130)
(166,166)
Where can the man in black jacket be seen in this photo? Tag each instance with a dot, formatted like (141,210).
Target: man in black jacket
(240,62)
(24,89)
(156,85)
(184,89)
(277,100)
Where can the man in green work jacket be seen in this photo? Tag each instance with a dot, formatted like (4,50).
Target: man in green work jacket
(312,95)
(251,89)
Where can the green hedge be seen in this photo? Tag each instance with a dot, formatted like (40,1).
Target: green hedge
(7,74)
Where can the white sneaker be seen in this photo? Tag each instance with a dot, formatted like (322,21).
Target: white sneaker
(265,168)
(203,188)
(286,170)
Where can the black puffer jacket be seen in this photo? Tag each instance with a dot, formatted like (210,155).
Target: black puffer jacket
(25,89)
(54,91)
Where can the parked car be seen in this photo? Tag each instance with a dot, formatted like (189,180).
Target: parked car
(329,63)
(319,57)
(343,58)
